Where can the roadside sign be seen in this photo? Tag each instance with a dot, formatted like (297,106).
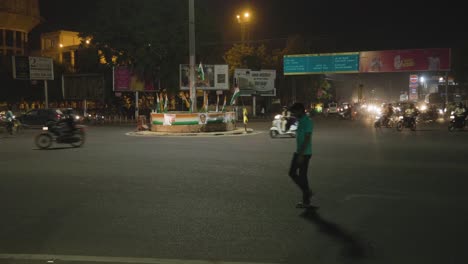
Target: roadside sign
(32,68)
(41,68)
(321,63)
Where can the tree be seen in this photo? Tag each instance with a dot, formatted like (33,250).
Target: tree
(150,36)
(248,56)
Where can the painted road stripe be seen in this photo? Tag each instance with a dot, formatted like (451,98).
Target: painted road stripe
(53,258)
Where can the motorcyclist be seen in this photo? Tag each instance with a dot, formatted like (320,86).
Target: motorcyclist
(9,120)
(348,112)
(285,116)
(410,114)
(460,113)
(69,123)
(388,112)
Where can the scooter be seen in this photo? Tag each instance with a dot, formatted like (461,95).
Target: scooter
(55,133)
(276,129)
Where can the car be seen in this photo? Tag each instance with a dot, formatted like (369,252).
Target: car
(40,117)
(73,113)
(332,108)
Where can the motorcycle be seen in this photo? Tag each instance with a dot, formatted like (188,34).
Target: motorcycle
(12,126)
(406,122)
(456,123)
(277,129)
(382,121)
(348,115)
(54,132)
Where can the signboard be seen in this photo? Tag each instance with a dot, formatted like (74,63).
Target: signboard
(321,63)
(413,87)
(20,67)
(215,77)
(405,60)
(414,81)
(41,68)
(127,81)
(255,82)
(413,95)
(83,86)
(32,68)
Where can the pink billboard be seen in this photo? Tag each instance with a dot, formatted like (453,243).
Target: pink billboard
(405,60)
(124,81)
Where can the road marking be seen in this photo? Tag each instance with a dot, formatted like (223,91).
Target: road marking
(53,258)
(378,196)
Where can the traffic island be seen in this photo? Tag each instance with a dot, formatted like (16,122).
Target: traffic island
(184,122)
(234,132)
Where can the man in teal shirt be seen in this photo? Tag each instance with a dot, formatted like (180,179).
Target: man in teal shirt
(300,161)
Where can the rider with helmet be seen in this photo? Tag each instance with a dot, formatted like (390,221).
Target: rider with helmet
(460,113)
(410,114)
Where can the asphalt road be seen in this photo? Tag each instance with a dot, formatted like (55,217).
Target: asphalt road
(384,197)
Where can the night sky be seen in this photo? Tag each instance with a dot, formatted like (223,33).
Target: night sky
(352,25)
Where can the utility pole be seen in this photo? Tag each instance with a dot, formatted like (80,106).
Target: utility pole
(193,92)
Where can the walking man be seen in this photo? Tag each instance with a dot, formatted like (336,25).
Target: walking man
(300,160)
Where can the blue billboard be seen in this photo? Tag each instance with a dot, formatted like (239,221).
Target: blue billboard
(321,63)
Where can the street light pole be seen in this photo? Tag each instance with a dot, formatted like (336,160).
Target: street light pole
(193,93)
(243,20)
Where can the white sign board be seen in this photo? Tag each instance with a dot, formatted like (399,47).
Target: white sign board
(41,68)
(255,82)
(215,77)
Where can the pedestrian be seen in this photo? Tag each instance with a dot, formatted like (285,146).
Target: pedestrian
(300,161)
(246,119)
(262,112)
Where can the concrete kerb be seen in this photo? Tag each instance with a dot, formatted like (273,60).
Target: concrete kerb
(236,132)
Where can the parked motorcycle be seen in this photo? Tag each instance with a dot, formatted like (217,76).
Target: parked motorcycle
(277,127)
(58,133)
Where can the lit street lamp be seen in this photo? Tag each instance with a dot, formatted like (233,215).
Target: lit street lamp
(243,20)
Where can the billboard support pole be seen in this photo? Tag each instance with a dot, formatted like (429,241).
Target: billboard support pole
(46,95)
(254,105)
(85,107)
(446,88)
(136,105)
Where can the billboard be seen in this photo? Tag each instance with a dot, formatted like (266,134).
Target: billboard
(127,81)
(216,77)
(83,86)
(405,60)
(255,82)
(321,63)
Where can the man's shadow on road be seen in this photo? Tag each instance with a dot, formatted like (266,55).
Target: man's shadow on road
(352,247)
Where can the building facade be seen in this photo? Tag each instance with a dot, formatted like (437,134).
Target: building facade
(17,19)
(61,46)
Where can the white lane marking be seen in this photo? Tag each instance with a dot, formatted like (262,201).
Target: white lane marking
(378,196)
(53,258)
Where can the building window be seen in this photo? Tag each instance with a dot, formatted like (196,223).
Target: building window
(1,37)
(19,39)
(47,44)
(9,38)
